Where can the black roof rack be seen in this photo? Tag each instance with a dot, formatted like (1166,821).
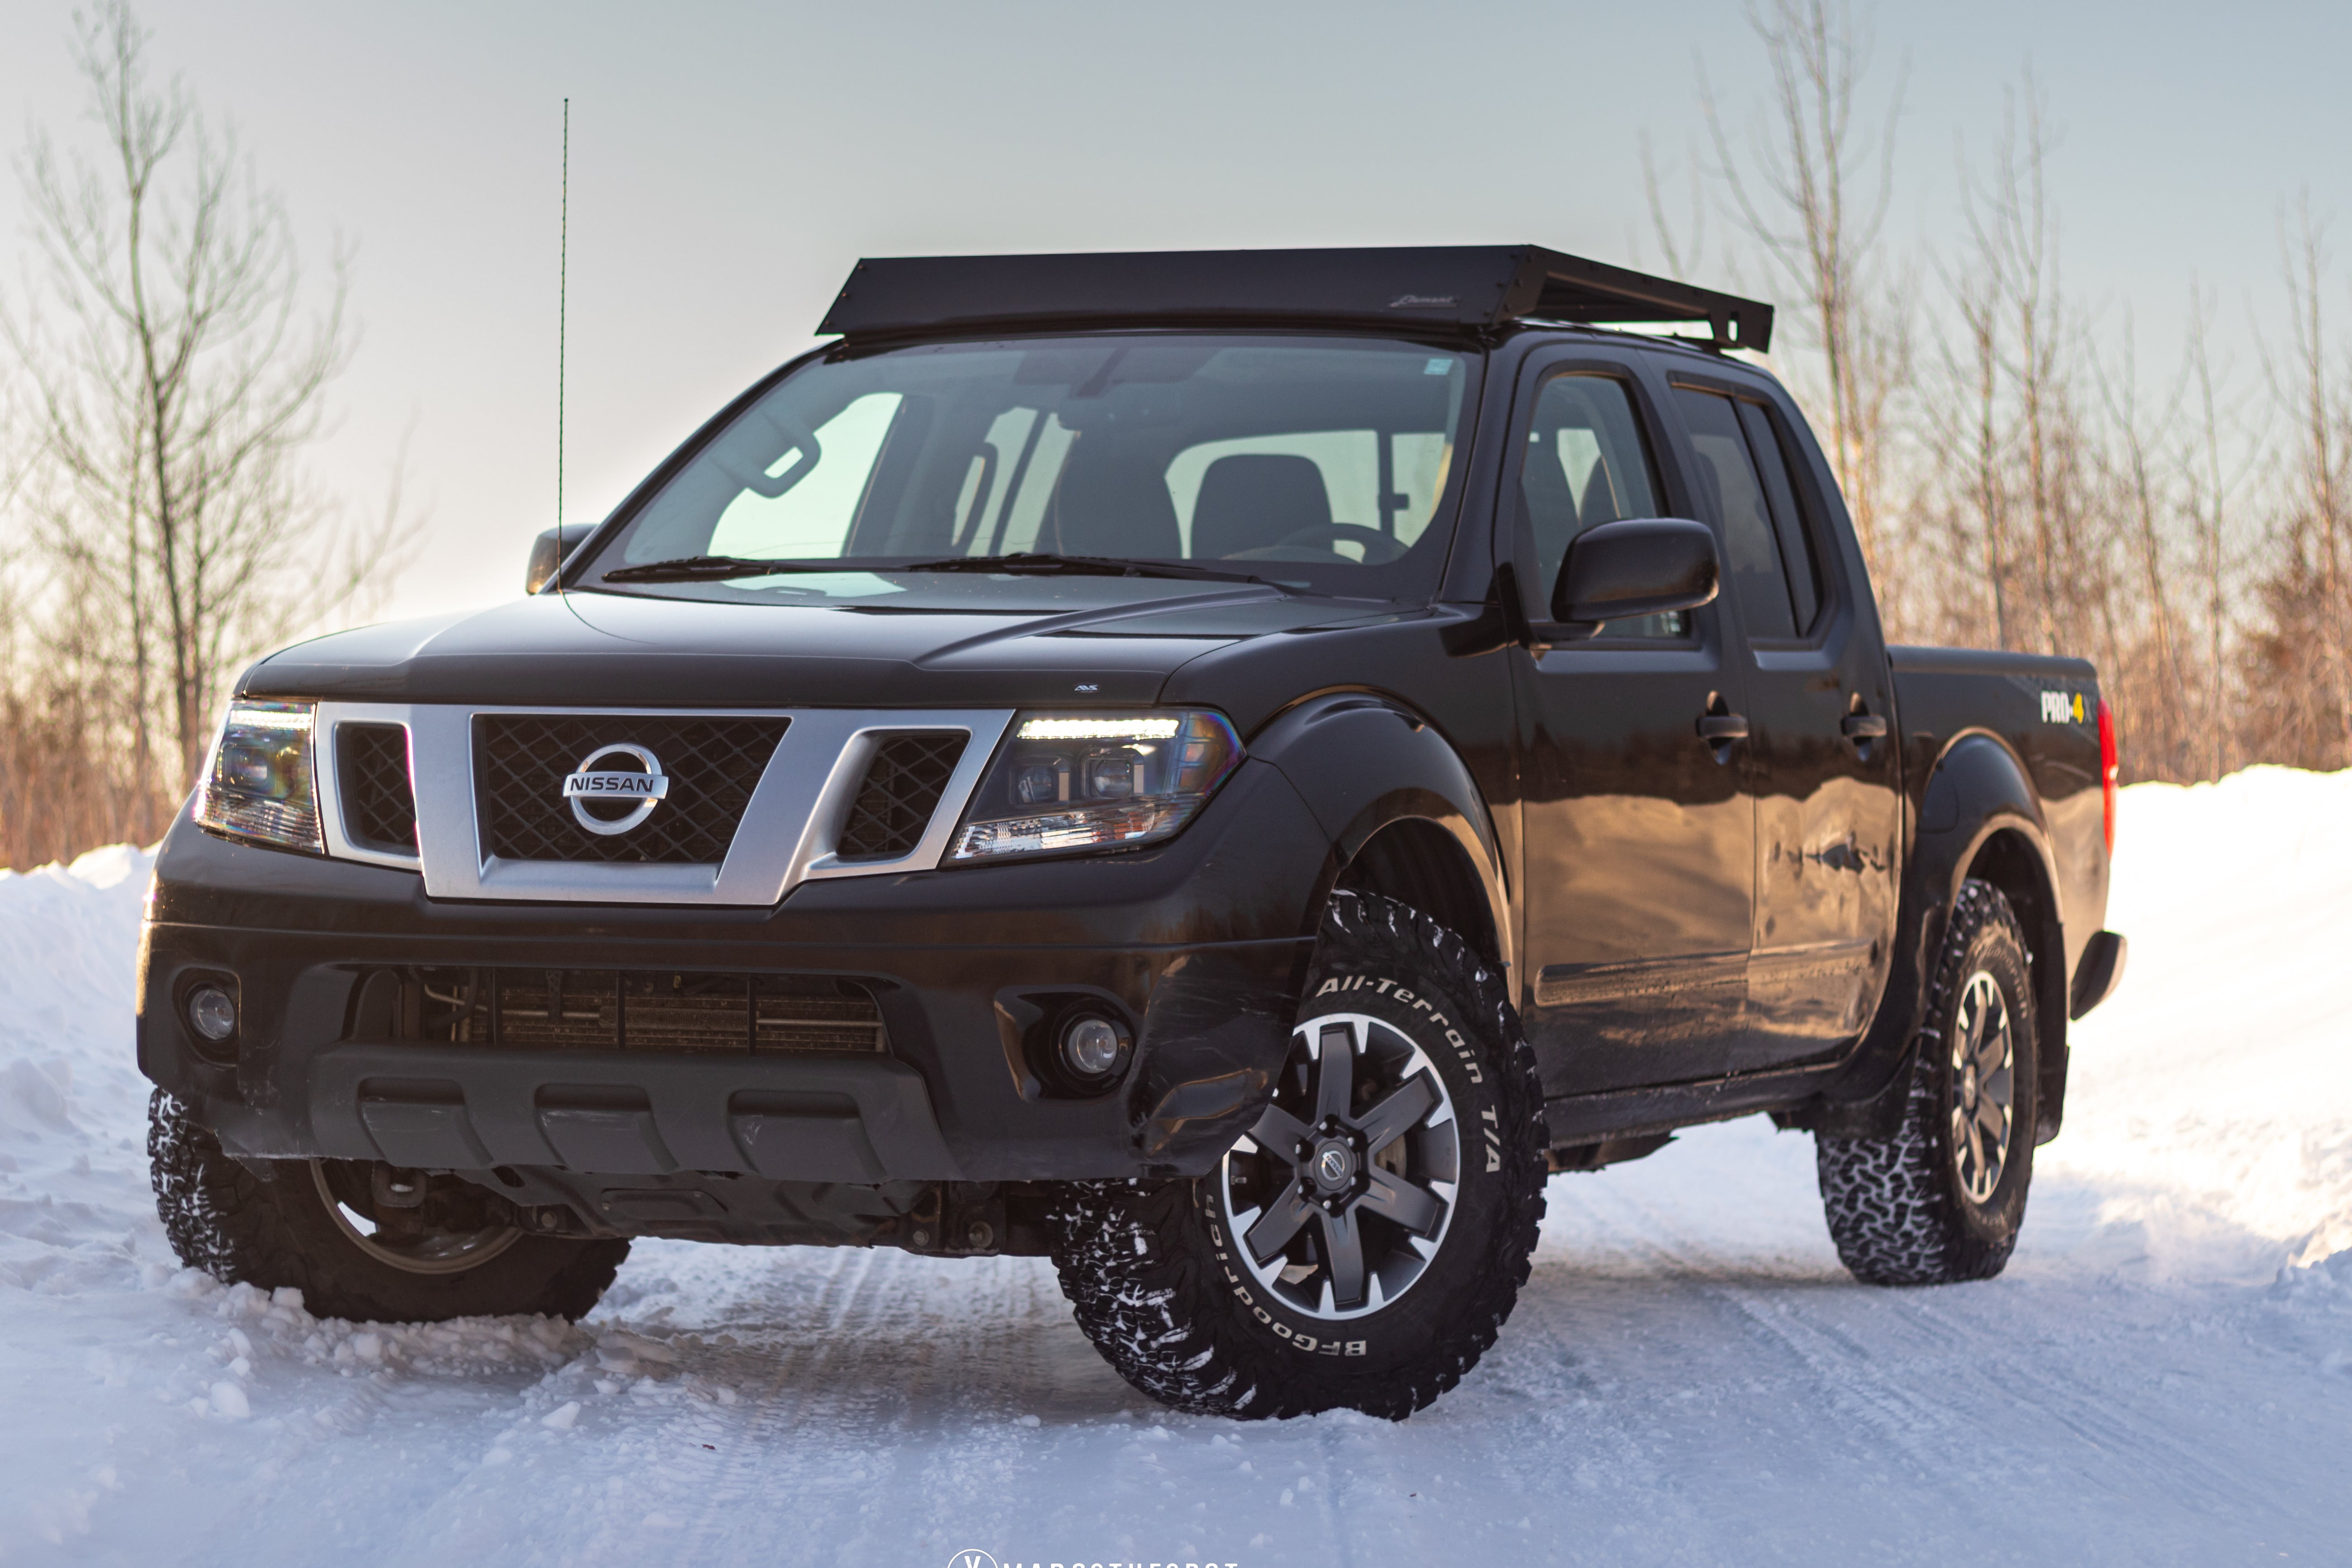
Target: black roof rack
(1470,287)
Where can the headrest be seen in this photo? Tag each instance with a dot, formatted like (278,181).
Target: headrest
(1252,500)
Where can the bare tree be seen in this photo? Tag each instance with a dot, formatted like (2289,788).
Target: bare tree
(1813,197)
(1684,247)
(2210,482)
(2035,314)
(2308,595)
(1967,438)
(2143,481)
(173,377)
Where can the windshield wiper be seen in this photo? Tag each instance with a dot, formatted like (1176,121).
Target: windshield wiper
(711,569)
(720,568)
(1090,566)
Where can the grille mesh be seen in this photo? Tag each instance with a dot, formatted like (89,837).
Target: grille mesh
(521,760)
(379,801)
(632,1010)
(902,789)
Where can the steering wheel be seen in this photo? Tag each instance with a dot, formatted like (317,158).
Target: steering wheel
(1380,548)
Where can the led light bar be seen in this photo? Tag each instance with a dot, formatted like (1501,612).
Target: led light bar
(1145,729)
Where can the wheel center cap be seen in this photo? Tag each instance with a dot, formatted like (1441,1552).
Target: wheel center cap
(1334,1165)
(1969,1086)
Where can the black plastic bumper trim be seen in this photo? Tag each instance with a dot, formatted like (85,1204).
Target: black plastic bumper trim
(461,1107)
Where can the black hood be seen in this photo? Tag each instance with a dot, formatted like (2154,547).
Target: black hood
(932,641)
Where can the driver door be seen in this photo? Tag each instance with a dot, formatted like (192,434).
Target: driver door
(1639,836)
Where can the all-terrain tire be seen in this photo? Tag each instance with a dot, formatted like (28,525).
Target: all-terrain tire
(1899,1208)
(223,1218)
(1154,1271)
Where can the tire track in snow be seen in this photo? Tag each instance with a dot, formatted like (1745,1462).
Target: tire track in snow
(1947,1428)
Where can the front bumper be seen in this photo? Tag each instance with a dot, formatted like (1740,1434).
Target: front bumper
(1201,942)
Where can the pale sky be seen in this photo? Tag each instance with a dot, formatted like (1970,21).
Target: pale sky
(730,162)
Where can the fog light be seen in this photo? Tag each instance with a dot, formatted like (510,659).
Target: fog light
(1094,1048)
(212,1012)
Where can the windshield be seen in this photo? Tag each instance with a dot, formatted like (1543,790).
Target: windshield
(1316,462)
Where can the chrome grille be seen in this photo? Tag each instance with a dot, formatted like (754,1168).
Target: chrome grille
(521,762)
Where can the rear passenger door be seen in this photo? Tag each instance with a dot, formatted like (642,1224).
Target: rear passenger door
(1821,760)
(1639,836)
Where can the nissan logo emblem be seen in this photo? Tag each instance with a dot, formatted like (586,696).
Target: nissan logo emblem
(648,787)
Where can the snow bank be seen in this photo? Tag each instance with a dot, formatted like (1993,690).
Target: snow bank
(73,1212)
(2214,1089)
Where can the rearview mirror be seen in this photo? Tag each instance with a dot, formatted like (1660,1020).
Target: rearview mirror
(1641,566)
(547,551)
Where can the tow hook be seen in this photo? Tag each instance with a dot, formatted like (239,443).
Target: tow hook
(965,1222)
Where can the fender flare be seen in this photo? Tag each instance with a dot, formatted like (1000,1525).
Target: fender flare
(1363,762)
(1978,788)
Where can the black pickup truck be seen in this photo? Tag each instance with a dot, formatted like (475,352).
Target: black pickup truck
(1226,769)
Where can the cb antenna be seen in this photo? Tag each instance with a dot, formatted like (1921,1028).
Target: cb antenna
(563,277)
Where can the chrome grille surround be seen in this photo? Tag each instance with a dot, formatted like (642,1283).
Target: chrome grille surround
(787,836)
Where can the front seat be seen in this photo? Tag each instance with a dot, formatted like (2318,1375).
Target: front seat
(1254,500)
(1113,502)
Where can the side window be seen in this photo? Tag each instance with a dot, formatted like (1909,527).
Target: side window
(1727,477)
(1586,465)
(1803,567)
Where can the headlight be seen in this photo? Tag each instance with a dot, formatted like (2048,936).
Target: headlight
(262,785)
(1095,781)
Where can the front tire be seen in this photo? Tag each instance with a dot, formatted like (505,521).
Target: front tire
(1362,1246)
(1942,1201)
(306,1226)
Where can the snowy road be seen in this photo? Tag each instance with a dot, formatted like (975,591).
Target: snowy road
(1690,1378)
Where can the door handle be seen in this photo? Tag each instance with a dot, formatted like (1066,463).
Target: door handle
(1861,727)
(1720,728)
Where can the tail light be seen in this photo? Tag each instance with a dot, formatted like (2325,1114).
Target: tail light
(2109,765)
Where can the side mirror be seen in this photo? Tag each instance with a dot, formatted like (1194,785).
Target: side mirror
(1640,566)
(547,550)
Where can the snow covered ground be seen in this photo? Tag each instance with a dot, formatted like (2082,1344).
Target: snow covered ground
(2164,1375)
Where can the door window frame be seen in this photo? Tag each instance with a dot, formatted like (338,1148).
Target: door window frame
(1709,632)
(1834,619)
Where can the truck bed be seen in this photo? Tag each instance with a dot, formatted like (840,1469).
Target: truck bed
(2043,711)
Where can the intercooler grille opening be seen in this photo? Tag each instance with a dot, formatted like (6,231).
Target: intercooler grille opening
(899,795)
(379,799)
(662,1011)
(521,760)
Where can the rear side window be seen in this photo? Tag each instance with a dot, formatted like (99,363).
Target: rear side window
(1742,476)
(1586,465)
(1798,562)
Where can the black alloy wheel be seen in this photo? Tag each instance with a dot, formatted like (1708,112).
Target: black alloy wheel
(1342,1192)
(1983,1065)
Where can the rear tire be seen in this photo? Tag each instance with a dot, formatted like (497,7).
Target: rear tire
(223,1218)
(1942,1201)
(1264,1288)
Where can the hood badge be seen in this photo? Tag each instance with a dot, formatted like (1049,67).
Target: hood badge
(646,788)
